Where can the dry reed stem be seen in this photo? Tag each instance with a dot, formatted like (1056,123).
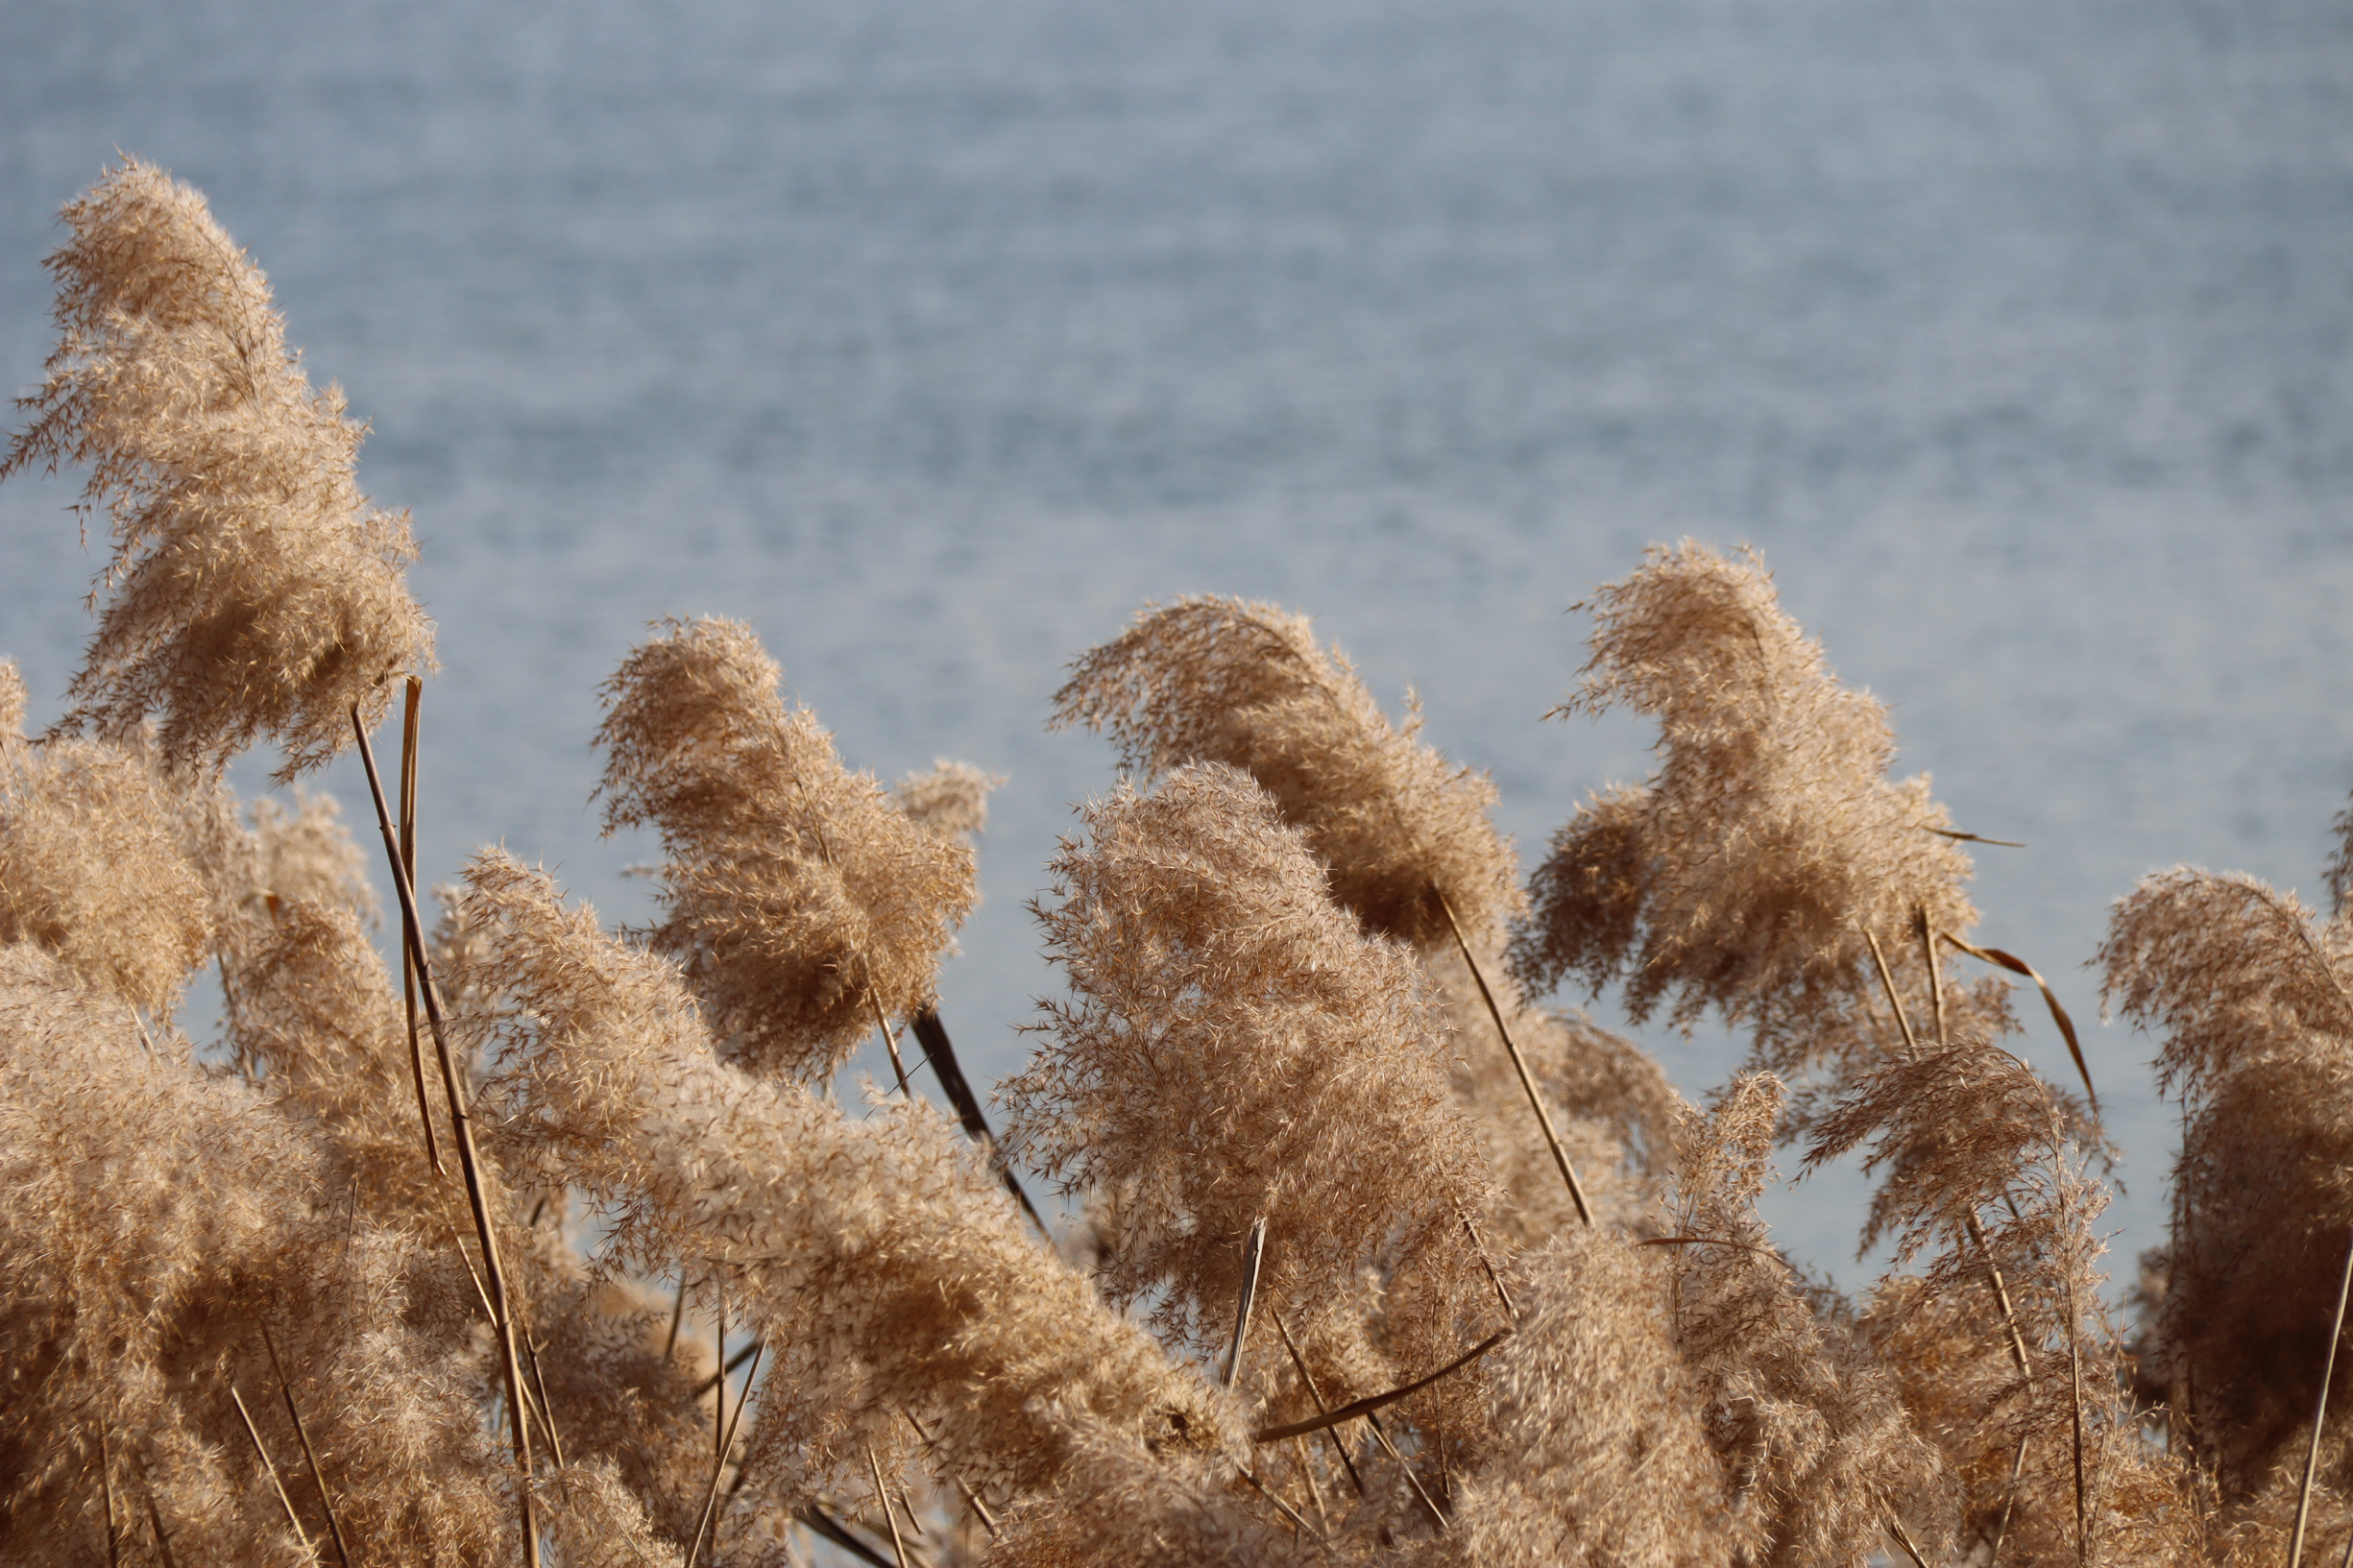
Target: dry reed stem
(277,1485)
(301,1435)
(546,1407)
(882,1498)
(1903,1536)
(1421,1493)
(1288,1512)
(1511,1313)
(890,1044)
(2009,1499)
(1937,975)
(1976,1231)
(409,717)
(1888,983)
(413,937)
(1519,1063)
(1253,1248)
(155,1522)
(1307,1380)
(933,1036)
(105,1486)
(824,1524)
(1374,1402)
(718,1467)
(2319,1418)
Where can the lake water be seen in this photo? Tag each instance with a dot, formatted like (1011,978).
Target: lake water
(932,336)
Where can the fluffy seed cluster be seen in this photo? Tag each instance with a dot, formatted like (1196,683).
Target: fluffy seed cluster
(1235,1052)
(2253,993)
(801,900)
(1207,680)
(1750,874)
(252,590)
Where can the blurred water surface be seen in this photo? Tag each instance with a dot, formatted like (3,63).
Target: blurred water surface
(931,336)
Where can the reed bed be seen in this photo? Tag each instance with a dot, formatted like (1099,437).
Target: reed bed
(557,1247)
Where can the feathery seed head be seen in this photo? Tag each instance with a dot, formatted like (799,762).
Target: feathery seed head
(252,591)
(1209,679)
(799,897)
(1744,876)
(92,868)
(1235,1049)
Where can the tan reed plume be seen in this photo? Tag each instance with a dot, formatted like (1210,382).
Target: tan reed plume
(1235,1050)
(801,901)
(1745,877)
(252,591)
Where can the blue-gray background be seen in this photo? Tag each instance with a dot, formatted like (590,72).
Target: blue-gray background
(931,336)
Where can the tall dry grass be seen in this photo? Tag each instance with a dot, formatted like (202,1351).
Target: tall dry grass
(1371,1256)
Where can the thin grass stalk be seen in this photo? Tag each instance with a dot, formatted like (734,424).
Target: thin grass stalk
(972,1499)
(2320,1414)
(735,1365)
(890,1043)
(932,1035)
(719,1468)
(301,1435)
(826,1525)
(678,1313)
(1374,1402)
(2009,1500)
(408,860)
(1511,1313)
(1297,1521)
(462,1123)
(545,1406)
(1253,1250)
(155,1522)
(1970,1222)
(105,1489)
(2075,1371)
(1937,975)
(1519,1063)
(1438,1516)
(1315,1394)
(1904,1538)
(891,1521)
(279,1485)
(719,1355)
(1315,1493)
(1887,982)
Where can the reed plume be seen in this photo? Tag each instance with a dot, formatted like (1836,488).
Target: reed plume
(152,1215)
(2248,990)
(949,799)
(877,1257)
(1821,1456)
(1748,876)
(252,591)
(799,901)
(92,868)
(1208,680)
(12,703)
(1235,1049)
(1601,1458)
